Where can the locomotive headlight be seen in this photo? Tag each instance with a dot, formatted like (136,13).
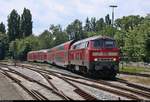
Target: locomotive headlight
(114,59)
(95,59)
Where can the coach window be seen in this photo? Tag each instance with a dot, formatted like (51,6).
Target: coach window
(82,45)
(61,48)
(77,46)
(74,47)
(98,43)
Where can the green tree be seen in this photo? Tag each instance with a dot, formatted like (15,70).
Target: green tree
(120,38)
(33,42)
(135,40)
(26,23)
(107,20)
(23,46)
(144,31)
(46,39)
(128,23)
(93,24)
(87,27)
(134,46)
(109,31)
(2,28)
(13,25)
(3,45)
(75,31)
(100,25)
(12,49)
(58,36)
(147,47)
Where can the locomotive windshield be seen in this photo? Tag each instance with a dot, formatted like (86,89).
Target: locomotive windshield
(104,43)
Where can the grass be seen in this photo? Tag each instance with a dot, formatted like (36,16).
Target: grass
(134,69)
(137,79)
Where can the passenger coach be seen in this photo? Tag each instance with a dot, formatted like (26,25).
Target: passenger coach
(38,56)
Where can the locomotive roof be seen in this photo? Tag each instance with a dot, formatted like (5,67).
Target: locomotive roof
(93,38)
(44,50)
(63,44)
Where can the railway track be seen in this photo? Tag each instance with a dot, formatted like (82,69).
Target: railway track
(121,72)
(119,80)
(34,93)
(105,89)
(142,91)
(79,91)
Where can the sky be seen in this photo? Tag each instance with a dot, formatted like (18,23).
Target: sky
(63,12)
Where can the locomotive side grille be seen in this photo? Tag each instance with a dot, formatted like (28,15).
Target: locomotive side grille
(105,54)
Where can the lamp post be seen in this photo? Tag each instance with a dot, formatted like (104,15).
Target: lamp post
(113,7)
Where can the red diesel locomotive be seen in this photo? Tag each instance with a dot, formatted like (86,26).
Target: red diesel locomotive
(97,55)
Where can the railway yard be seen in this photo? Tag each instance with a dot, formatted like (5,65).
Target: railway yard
(75,50)
(34,81)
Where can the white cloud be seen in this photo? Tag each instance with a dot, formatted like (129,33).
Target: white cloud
(46,12)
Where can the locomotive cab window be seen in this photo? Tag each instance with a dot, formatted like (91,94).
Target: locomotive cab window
(109,43)
(104,43)
(98,43)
